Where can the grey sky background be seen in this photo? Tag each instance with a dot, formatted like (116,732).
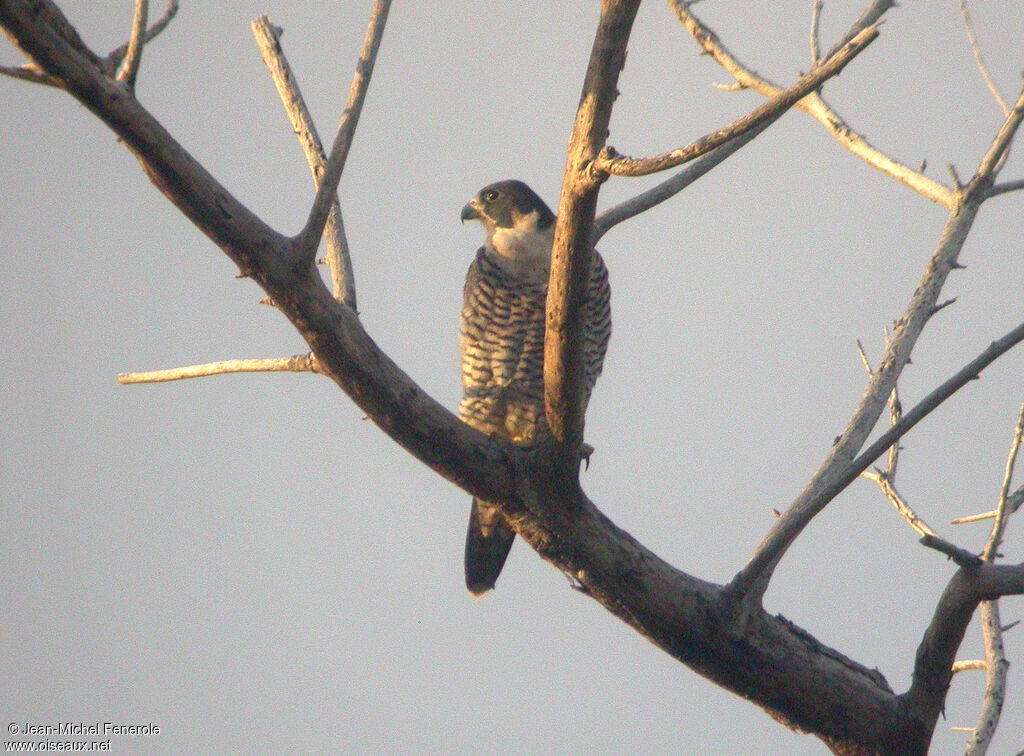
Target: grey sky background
(249,564)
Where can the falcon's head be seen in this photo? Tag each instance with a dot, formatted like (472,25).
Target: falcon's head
(520,227)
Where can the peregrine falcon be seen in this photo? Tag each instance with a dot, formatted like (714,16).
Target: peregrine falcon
(502,344)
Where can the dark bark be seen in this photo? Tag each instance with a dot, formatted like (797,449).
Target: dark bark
(763,658)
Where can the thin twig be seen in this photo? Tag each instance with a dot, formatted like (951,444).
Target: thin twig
(969,372)
(610,162)
(299,363)
(895,414)
(133,58)
(999,149)
(1009,186)
(115,56)
(976,49)
(29,73)
(268,39)
(998,527)
(969,665)
(929,537)
(815,24)
(864,359)
(871,16)
(1013,503)
(671,186)
(308,239)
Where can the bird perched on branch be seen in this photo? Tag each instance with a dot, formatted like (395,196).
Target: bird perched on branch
(502,343)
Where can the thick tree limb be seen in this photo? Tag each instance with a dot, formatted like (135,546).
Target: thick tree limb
(485,467)
(764,658)
(308,240)
(571,254)
(933,666)
(609,161)
(339,261)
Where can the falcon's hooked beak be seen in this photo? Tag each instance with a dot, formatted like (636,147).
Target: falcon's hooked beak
(470,211)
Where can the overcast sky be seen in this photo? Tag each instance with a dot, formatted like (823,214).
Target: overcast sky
(247,563)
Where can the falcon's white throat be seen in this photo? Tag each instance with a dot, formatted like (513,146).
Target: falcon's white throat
(524,248)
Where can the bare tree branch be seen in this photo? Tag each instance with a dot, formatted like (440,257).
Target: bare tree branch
(1009,186)
(834,474)
(933,666)
(671,186)
(995,539)
(765,658)
(114,58)
(815,105)
(47,12)
(870,17)
(929,537)
(339,261)
(991,626)
(483,466)
(999,149)
(299,363)
(969,665)
(976,49)
(815,30)
(1013,503)
(609,161)
(572,252)
(995,680)
(29,73)
(133,57)
(309,238)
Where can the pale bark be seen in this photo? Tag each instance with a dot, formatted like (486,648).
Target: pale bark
(719,631)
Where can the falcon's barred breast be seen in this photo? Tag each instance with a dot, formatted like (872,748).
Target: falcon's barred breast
(502,343)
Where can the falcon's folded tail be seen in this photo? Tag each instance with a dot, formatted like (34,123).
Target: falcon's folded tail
(488,540)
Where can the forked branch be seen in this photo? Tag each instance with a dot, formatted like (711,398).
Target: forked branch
(610,162)
(813,104)
(308,240)
(339,261)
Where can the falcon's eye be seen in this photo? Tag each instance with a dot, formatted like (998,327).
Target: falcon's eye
(491,195)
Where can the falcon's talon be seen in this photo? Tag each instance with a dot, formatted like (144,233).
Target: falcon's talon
(502,340)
